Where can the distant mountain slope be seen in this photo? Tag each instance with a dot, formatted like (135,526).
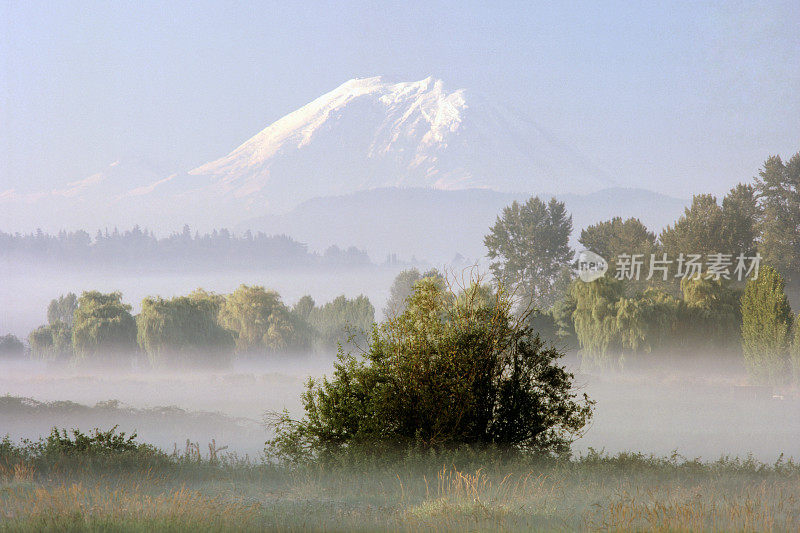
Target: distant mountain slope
(369,133)
(435,225)
(366,135)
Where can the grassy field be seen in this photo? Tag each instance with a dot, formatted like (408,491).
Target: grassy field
(101,484)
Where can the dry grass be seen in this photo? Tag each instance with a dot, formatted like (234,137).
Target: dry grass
(626,493)
(78,506)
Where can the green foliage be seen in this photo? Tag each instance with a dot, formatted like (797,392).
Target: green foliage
(77,451)
(742,212)
(52,342)
(342,321)
(562,312)
(529,248)
(708,228)
(184,330)
(448,371)
(710,319)
(62,309)
(615,237)
(610,326)
(260,321)
(595,318)
(104,328)
(766,327)
(402,288)
(778,186)
(647,322)
(544,324)
(302,309)
(796,350)
(11,347)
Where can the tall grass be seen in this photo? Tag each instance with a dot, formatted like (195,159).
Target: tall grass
(202,489)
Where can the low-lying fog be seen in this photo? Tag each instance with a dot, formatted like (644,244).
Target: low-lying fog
(697,412)
(694,410)
(26,290)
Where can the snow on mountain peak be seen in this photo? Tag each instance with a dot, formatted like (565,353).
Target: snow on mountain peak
(420,105)
(369,132)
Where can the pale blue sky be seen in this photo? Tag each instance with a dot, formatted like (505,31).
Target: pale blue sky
(675,97)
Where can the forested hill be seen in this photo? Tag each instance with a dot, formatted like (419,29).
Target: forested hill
(140,248)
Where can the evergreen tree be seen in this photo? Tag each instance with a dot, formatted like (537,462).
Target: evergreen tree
(778,188)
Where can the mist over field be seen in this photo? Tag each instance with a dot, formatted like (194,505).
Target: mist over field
(691,408)
(399,267)
(26,301)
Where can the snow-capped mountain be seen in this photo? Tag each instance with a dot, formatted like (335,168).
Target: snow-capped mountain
(366,134)
(369,133)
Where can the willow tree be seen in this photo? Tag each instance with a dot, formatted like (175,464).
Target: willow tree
(711,317)
(184,330)
(766,327)
(260,321)
(104,329)
(51,342)
(595,318)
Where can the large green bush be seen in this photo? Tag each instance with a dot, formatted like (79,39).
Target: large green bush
(449,371)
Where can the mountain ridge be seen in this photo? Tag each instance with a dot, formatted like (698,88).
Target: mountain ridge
(366,134)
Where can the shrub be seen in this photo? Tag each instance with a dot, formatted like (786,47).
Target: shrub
(11,347)
(449,371)
(78,451)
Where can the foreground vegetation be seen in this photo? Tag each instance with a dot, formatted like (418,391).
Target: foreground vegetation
(106,480)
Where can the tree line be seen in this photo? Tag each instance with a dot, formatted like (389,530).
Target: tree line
(198,329)
(667,307)
(140,247)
